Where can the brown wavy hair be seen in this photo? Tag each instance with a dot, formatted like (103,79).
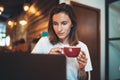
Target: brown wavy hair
(67,9)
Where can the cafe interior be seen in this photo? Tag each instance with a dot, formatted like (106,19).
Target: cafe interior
(24,22)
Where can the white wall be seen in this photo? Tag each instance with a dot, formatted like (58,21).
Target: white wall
(100,4)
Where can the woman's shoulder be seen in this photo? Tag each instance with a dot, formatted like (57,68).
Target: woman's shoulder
(83,46)
(80,43)
(44,39)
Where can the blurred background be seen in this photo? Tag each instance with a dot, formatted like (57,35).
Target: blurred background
(24,22)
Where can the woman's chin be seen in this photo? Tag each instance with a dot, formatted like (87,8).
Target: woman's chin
(61,37)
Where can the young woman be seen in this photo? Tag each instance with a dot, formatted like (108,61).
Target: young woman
(62,32)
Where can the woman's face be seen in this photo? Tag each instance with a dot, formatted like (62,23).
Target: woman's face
(62,25)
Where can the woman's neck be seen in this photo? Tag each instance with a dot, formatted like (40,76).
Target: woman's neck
(64,41)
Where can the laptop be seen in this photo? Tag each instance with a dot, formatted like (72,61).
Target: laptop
(32,67)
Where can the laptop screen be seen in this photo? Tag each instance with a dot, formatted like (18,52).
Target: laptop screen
(32,67)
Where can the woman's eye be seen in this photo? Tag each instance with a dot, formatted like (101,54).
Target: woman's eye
(64,23)
(54,24)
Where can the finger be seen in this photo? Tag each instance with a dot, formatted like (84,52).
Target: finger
(82,54)
(59,50)
(84,60)
(82,64)
(55,51)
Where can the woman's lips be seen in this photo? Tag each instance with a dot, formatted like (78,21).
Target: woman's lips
(60,34)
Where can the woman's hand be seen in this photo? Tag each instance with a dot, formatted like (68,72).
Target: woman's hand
(82,60)
(56,51)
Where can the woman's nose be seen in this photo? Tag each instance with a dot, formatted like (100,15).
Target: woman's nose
(59,27)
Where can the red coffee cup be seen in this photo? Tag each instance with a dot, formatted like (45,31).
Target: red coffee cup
(71,51)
